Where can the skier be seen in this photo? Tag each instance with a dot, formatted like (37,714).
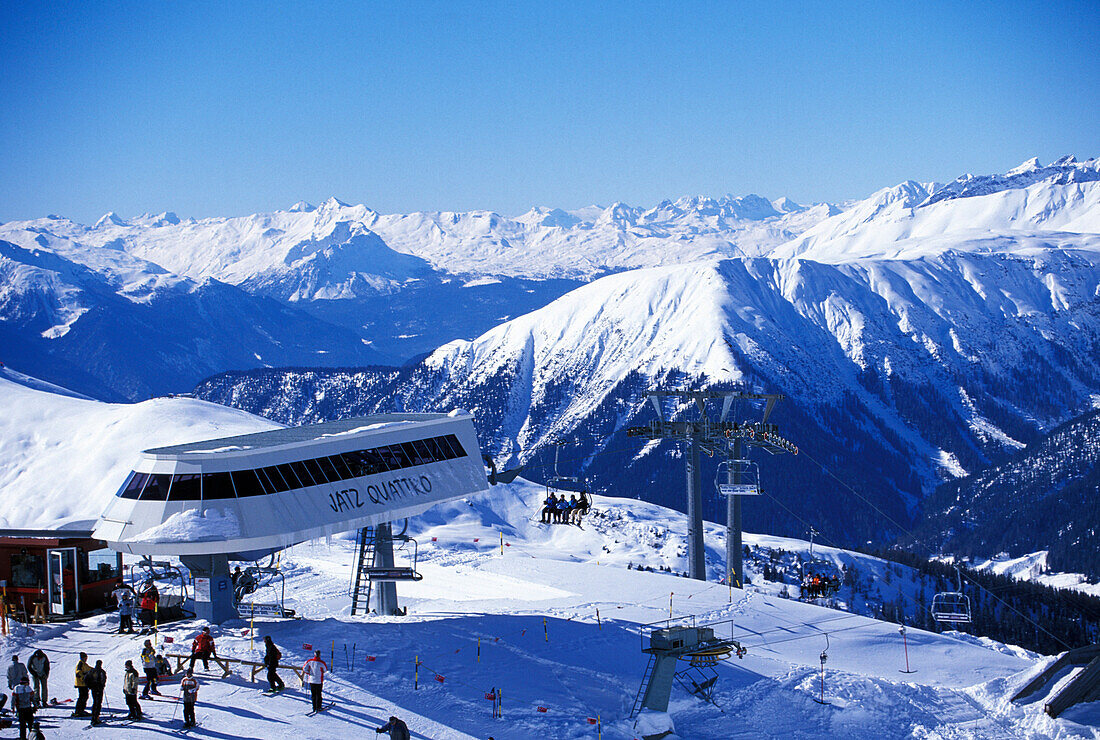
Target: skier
(398,730)
(129,690)
(314,672)
(203,647)
(562,514)
(39,666)
(583,506)
(189,688)
(271,660)
(22,699)
(96,679)
(150,598)
(81,684)
(149,665)
(125,598)
(16,673)
(551,505)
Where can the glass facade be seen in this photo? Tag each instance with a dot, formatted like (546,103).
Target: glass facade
(290,476)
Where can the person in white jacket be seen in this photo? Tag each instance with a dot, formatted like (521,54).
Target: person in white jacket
(16,673)
(314,673)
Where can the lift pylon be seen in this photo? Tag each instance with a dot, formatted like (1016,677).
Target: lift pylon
(715,436)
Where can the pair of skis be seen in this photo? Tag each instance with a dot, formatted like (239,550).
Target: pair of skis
(324,707)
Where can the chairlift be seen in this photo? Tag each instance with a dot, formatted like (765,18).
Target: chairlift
(952,607)
(820,578)
(261,590)
(745,472)
(171,587)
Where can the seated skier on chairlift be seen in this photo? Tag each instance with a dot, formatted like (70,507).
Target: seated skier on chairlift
(549,508)
(562,515)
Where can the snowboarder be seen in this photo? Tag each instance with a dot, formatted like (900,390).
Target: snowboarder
(81,684)
(150,598)
(16,673)
(96,679)
(22,700)
(314,672)
(149,666)
(203,647)
(398,730)
(271,660)
(129,690)
(189,688)
(124,595)
(39,666)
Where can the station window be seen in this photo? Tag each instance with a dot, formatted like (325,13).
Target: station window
(290,476)
(316,472)
(156,489)
(303,474)
(278,483)
(133,485)
(329,470)
(421,455)
(103,565)
(27,571)
(246,483)
(186,487)
(216,486)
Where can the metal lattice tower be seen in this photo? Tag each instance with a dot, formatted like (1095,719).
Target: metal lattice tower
(715,436)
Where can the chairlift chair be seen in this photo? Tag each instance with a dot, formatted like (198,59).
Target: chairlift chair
(746,472)
(261,590)
(171,599)
(952,607)
(820,579)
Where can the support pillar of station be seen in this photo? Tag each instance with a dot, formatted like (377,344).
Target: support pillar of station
(384,593)
(697,564)
(213,587)
(735,566)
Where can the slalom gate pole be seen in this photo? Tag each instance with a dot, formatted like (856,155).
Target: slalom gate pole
(545,631)
(353,653)
(4,612)
(599,728)
(670,604)
(156,620)
(502,544)
(598,622)
(416,672)
(479,650)
(331,650)
(347,663)
(252,629)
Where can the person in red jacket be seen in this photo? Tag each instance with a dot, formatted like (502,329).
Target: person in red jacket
(149,597)
(203,647)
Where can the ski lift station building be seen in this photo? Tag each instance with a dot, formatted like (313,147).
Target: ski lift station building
(245,497)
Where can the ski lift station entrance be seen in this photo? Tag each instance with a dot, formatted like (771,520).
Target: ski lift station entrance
(246,497)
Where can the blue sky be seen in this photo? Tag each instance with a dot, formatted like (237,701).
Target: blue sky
(231,108)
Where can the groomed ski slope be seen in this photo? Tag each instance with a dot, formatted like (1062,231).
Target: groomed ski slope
(575,667)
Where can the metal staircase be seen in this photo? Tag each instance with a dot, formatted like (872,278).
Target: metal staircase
(360,591)
(645,683)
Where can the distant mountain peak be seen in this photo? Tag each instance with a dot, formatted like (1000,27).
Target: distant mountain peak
(110,217)
(302,207)
(1025,166)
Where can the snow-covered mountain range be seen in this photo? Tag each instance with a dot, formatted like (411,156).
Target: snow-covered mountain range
(362,287)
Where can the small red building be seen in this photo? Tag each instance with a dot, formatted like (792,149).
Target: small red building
(68,571)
